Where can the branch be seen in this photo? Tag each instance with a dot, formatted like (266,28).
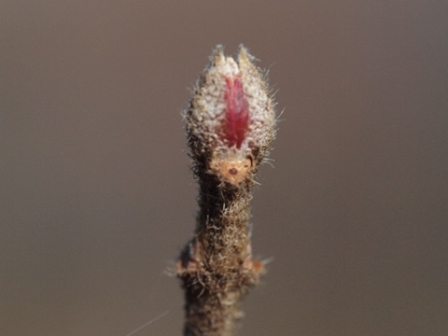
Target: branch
(230,124)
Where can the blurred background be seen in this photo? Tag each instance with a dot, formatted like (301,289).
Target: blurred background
(96,195)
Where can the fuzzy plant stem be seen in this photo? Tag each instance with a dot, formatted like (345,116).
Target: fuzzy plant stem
(230,124)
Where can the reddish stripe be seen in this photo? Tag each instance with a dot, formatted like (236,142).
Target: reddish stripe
(237,114)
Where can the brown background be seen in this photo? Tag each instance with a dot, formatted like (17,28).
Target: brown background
(97,198)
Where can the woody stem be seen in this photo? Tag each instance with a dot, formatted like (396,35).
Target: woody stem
(217,265)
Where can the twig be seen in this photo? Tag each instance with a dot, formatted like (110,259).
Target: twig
(230,124)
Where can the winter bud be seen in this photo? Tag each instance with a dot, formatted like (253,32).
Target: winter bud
(231,119)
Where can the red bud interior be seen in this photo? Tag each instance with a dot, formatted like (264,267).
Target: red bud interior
(237,114)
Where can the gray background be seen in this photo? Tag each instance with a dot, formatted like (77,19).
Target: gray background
(97,199)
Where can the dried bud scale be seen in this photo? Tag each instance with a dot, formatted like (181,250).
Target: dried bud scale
(230,124)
